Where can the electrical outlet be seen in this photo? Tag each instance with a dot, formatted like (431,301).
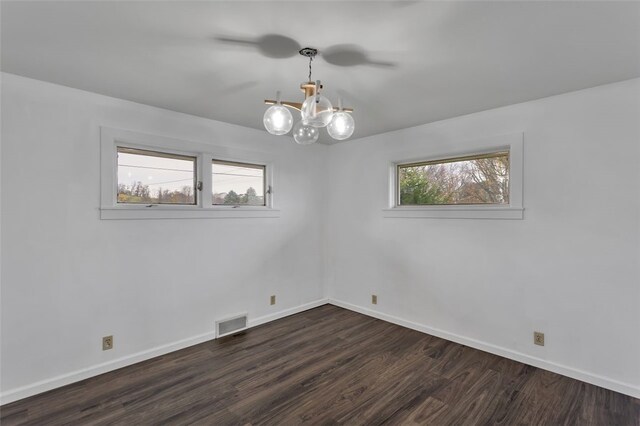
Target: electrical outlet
(273,300)
(538,338)
(374,299)
(107,343)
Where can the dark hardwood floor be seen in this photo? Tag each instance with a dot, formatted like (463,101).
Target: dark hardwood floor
(327,366)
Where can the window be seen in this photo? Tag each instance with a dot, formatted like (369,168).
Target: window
(154,177)
(238,183)
(151,177)
(474,179)
(478,179)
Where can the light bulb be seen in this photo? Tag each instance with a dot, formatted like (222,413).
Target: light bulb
(317,111)
(277,120)
(341,126)
(305,134)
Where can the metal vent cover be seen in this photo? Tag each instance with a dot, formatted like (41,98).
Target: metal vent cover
(231,325)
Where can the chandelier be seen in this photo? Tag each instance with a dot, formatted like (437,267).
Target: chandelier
(316,111)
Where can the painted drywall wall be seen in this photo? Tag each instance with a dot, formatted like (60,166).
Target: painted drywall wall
(569,269)
(69,278)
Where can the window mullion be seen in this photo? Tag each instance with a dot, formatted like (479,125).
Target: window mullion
(205,177)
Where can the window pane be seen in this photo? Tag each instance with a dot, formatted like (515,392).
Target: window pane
(148,177)
(238,183)
(480,179)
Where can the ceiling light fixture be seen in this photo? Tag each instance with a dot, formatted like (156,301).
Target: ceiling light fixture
(316,111)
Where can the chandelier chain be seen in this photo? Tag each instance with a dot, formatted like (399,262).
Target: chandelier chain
(310,59)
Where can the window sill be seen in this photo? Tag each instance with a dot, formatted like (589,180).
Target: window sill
(116,213)
(455,212)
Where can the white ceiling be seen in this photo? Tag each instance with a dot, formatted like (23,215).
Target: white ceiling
(411,62)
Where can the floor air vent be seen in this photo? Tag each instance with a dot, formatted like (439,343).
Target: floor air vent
(231,325)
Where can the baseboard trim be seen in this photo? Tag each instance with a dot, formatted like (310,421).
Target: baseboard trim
(594,379)
(85,373)
(285,313)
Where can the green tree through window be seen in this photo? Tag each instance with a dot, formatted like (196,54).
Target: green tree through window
(482,179)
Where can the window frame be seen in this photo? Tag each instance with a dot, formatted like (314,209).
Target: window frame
(265,185)
(513,143)
(111,139)
(475,156)
(161,154)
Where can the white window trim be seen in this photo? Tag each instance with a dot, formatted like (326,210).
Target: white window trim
(111,138)
(513,142)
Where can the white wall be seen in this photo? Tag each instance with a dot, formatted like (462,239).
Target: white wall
(569,269)
(69,278)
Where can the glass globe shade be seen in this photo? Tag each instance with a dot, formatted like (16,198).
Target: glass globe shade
(317,111)
(277,120)
(305,134)
(341,126)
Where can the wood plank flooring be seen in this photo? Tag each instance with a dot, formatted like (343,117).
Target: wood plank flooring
(327,366)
